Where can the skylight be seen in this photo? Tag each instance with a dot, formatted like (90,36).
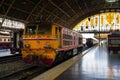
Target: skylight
(112,0)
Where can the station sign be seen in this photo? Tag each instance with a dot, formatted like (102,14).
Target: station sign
(11,24)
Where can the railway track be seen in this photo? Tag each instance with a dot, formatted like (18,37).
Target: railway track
(10,58)
(26,74)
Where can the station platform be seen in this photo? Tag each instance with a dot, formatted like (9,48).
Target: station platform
(93,64)
(6,52)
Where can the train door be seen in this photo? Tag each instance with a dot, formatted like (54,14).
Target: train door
(58,35)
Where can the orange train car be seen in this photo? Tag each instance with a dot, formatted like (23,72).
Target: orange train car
(47,42)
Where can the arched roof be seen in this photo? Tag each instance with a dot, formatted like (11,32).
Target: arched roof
(64,12)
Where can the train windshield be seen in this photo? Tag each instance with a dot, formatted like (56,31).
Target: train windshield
(31,30)
(44,28)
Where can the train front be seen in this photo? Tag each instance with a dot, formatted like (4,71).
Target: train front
(39,44)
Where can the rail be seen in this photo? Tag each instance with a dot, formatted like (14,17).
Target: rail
(10,58)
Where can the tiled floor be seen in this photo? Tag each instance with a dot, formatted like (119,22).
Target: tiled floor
(95,65)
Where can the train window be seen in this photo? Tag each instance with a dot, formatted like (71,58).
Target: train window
(80,41)
(66,36)
(66,43)
(31,30)
(8,39)
(115,41)
(0,40)
(4,39)
(57,31)
(44,28)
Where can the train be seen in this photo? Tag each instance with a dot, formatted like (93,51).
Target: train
(12,41)
(91,42)
(47,42)
(5,42)
(113,42)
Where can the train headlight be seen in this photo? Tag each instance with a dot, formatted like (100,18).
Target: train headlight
(27,45)
(47,45)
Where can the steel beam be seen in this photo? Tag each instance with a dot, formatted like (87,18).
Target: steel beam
(33,10)
(59,8)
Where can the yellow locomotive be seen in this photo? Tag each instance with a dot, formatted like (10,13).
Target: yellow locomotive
(47,42)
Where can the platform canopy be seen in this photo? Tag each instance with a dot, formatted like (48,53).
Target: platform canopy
(64,12)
